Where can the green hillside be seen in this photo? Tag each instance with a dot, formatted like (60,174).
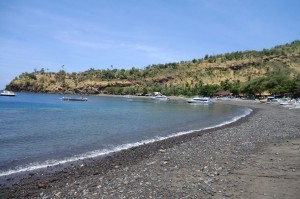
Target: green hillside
(275,70)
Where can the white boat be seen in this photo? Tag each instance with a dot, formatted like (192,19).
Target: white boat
(201,100)
(74,99)
(160,97)
(286,101)
(128,96)
(7,93)
(270,99)
(295,105)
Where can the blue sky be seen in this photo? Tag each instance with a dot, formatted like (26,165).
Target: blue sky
(83,34)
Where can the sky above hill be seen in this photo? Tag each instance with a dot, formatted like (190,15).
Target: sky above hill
(101,34)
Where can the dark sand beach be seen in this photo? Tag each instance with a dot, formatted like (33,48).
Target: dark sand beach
(255,157)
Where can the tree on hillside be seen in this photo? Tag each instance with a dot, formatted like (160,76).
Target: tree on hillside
(60,76)
(235,88)
(209,90)
(295,87)
(226,85)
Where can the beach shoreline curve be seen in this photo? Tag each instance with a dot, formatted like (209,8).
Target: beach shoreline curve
(231,142)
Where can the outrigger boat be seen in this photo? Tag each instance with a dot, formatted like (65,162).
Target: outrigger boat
(160,97)
(74,99)
(201,100)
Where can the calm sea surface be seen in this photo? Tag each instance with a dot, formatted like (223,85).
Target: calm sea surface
(38,130)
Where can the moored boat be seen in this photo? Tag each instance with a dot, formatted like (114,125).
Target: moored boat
(201,100)
(286,101)
(160,97)
(294,105)
(74,99)
(7,93)
(269,99)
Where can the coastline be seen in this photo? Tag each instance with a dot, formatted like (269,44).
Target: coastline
(191,165)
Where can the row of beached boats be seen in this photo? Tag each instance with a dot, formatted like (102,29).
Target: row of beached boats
(285,102)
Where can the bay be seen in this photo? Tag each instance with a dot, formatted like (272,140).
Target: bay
(40,130)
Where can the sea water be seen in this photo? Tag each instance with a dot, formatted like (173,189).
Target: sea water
(40,130)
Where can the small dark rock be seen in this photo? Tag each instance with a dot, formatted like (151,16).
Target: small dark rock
(42,185)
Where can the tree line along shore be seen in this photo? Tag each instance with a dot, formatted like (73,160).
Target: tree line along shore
(243,73)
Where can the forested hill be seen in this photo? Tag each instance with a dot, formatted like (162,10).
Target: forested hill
(275,70)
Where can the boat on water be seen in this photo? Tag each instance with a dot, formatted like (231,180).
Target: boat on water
(201,100)
(160,97)
(7,93)
(128,96)
(74,99)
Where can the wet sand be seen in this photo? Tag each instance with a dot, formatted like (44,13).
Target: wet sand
(233,161)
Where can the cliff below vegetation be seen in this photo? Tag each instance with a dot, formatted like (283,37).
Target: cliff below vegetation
(275,70)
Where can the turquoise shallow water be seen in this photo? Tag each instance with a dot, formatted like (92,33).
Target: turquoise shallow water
(38,130)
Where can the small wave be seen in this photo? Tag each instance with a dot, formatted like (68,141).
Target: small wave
(246,112)
(97,153)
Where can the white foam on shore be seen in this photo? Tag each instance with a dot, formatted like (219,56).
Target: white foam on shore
(97,153)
